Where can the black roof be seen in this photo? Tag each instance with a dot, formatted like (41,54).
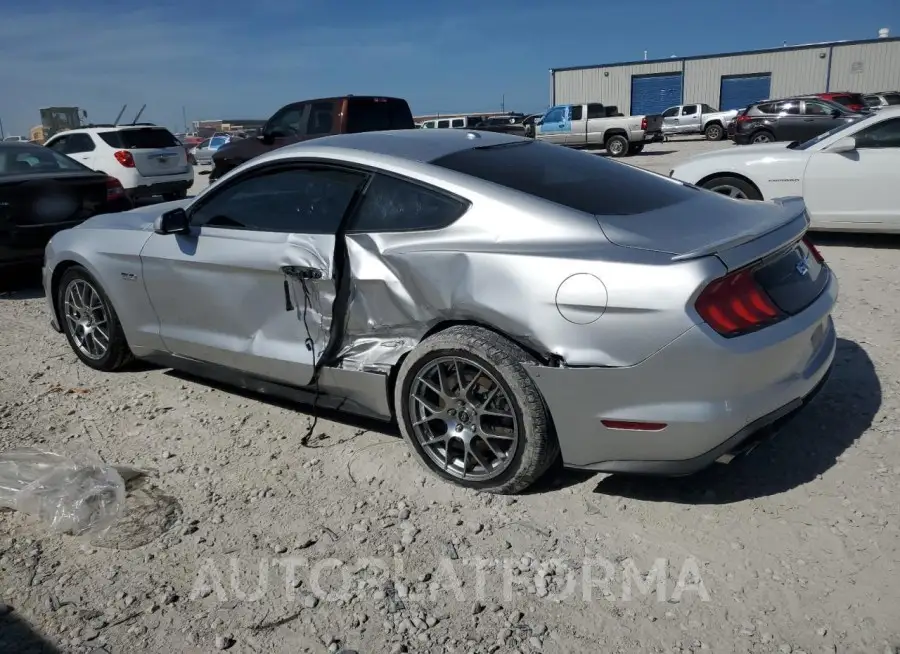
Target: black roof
(19,144)
(787,48)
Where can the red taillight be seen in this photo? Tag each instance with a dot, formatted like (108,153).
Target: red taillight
(114,188)
(124,157)
(813,250)
(735,304)
(743,118)
(644,123)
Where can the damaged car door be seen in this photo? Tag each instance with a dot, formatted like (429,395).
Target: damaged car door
(250,285)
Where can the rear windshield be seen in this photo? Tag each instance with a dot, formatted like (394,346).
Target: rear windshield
(376,114)
(140,139)
(22,161)
(578,180)
(892,98)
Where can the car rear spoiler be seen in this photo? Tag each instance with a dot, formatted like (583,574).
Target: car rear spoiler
(731,250)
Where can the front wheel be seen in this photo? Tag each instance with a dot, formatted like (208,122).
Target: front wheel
(472,414)
(90,323)
(733,187)
(617,146)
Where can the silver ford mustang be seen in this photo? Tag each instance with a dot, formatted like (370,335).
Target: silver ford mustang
(508,302)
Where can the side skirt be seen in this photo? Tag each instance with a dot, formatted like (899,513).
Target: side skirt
(361,393)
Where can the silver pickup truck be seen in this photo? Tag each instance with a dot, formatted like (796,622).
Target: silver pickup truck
(697,119)
(586,125)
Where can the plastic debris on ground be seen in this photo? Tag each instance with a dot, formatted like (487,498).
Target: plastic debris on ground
(67,495)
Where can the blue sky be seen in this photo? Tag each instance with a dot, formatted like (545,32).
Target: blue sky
(245,59)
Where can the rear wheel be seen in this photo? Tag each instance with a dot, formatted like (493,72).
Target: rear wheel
(617,145)
(90,323)
(635,148)
(763,137)
(714,132)
(472,414)
(733,187)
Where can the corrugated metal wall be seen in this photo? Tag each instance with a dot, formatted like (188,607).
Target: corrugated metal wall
(591,85)
(866,67)
(858,67)
(796,71)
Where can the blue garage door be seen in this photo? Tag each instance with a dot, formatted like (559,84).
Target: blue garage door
(738,92)
(653,94)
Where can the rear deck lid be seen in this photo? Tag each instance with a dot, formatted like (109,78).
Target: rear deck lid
(737,231)
(155,150)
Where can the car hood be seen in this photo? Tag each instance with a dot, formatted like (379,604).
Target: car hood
(140,219)
(742,151)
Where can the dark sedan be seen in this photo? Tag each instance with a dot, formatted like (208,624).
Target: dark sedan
(43,192)
(792,119)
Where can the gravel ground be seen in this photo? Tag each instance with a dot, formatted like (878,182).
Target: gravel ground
(259,528)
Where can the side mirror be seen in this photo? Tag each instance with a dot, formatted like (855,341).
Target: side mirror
(174,221)
(846,144)
(835,113)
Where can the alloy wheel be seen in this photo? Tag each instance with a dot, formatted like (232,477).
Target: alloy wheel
(463,419)
(87,319)
(762,138)
(730,191)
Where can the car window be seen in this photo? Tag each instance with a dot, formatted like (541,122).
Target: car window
(140,138)
(812,108)
(78,143)
(556,115)
(205,144)
(873,100)
(394,205)
(574,179)
(288,121)
(443,123)
(18,161)
(458,122)
(375,114)
(790,108)
(428,124)
(596,111)
(288,200)
(885,134)
(58,145)
(709,110)
(576,112)
(671,112)
(843,99)
(321,118)
(689,110)
(767,108)
(892,98)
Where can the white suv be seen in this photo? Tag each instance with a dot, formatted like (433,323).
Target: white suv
(148,160)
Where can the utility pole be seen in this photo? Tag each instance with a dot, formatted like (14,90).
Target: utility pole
(2,135)
(503,103)
(184,118)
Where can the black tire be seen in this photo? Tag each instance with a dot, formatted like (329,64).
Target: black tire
(762,136)
(536,444)
(725,181)
(118,354)
(714,132)
(617,145)
(635,148)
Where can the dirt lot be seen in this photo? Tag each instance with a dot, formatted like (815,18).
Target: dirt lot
(264,529)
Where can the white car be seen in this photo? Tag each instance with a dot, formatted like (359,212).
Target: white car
(849,177)
(146,159)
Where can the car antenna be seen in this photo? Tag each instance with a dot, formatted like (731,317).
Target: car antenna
(134,122)
(116,121)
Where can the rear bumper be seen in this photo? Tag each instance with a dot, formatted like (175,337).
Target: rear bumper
(713,395)
(159,188)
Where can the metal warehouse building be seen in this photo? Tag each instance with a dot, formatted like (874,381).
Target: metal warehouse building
(733,80)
